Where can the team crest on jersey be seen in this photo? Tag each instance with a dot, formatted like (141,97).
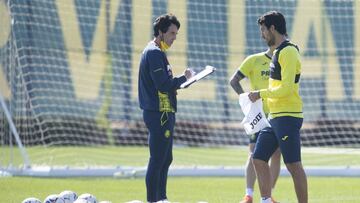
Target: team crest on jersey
(167,133)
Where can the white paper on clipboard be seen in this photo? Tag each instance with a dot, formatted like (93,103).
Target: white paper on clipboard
(205,72)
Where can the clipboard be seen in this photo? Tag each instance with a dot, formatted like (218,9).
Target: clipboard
(205,72)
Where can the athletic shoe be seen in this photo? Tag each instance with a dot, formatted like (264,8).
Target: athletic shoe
(247,199)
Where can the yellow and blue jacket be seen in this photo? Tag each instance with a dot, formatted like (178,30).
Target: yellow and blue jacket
(282,95)
(157,86)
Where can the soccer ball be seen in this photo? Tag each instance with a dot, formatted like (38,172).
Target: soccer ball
(88,197)
(54,199)
(80,201)
(68,196)
(31,200)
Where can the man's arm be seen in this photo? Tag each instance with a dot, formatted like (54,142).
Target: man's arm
(163,82)
(235,82)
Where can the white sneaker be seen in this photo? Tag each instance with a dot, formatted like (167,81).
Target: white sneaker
(134,201)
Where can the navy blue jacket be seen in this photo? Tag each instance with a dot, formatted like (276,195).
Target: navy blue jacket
(157,86)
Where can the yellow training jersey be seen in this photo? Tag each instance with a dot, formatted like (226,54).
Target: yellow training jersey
(256,68)
(283,92)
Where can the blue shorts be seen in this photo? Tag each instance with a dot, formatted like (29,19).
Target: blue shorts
(284,133)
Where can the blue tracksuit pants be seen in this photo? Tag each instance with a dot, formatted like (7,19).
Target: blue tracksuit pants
(161,128)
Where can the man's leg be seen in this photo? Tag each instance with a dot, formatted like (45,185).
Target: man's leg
(264,148)
(158,146)
(300,181)
(164,175)
(275,163)
(250,174)
(264,177)
(250,171)
(153,177)
(274,170)
(287,130)
(168,133)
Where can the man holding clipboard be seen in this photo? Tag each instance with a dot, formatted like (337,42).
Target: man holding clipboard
(207,71)
(157,98)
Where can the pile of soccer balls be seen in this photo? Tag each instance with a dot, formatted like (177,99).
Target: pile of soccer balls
(66,196)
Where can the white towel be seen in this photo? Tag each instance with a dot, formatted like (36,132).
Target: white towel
(255,118)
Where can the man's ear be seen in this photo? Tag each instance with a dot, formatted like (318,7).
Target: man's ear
(161,34)
(272,28)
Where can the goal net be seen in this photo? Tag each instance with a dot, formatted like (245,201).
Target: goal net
(69,82)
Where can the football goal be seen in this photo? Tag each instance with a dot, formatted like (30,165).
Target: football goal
(69,69)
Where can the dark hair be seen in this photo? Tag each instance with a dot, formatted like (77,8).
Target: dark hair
(274,18)
(163,23)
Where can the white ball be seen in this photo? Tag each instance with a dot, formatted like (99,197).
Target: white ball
(104,202)
(80,201)
(68,196)
(88,197)
(31,200)
(54,199)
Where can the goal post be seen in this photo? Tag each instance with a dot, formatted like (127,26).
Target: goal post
(14,132)
(70,71)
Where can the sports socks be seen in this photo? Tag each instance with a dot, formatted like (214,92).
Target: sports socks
(249,191)
(265,200)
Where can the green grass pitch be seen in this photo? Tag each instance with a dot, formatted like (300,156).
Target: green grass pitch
(183,156)
(186,190)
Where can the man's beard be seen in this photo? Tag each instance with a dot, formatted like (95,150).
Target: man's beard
(271,41)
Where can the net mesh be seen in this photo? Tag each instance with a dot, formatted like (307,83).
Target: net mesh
(70,68)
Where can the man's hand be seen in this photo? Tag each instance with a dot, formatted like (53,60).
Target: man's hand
(189,73)
(253,96)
